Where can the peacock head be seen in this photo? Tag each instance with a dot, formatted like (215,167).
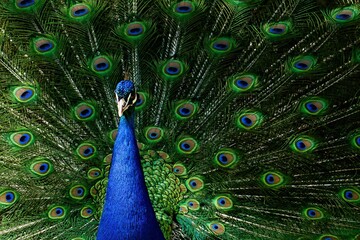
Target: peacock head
(125,95)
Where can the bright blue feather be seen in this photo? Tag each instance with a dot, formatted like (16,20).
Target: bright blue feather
(128,213)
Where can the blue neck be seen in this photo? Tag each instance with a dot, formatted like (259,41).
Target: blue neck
(127,213)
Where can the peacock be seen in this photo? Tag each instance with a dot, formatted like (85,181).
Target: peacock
(171,119)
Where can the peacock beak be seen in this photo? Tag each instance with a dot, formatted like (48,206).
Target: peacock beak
(125,103)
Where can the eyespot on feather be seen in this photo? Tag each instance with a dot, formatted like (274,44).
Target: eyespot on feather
(272,179)
(22,139)
(80,11)
(328,237)
(222,45)
(350,195)
(87,212)
(185,109)
(86,151)
(101,65)
(248,120)
(313,213)
(193,204)
(222,202)
(25,3)
(172,69)
(302,64)
(44,45)
(313,106)
(303,144)
(226,158)
(85,112)
(8,197)
(24,94)
(94,173)
(135,29)
(57,212)
(276,30)
(344,15)
(217,228)
(184,8)
(179,169)
(154,134)
(78,192)
(187,145)
(41,167)
(194,184)
(241,83)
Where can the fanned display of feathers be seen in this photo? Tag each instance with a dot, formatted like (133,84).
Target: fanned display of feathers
(247,115)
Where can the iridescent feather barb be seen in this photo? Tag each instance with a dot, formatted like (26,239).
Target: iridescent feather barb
(236,119)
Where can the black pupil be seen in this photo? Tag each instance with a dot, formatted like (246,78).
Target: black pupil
(277,30)
(25,94)
(80,11)
(153,134)
(42,167)
(79,191)
(312,107)
(349,194)
(87,151)
(101,65)
(216,226)
(85,112)
(302,145)
(193,183)
(135,30)
(271,179)
(58,211)
(25,2)
(23,138)
(172,69)
(8,197)
(223,158)
(185,110)
(312,213)
(184,8)
(45,46)
(222,201)
(302,65)
(186,145)
(247,120)
(221,45)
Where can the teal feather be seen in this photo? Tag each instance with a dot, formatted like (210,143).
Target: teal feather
(247,117)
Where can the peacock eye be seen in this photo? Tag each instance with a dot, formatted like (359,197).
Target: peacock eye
(303,144)
(184,7)
(94,173)
(194,184)
(223,203)
(86,151)
(24,94)
(187,145)
(8,197)
(84,112)
(78,192)
(249,120)
(226,158)
(57,213)
(193,204)
(179,169)
(173,68)
(22,139)
(41,168)
(87,211)
(135,29)
(154,134)
(303,64)
(185,110)
(350,195)
(313,213)
(217,228)
(272,179)
(79,10)
(24,3)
